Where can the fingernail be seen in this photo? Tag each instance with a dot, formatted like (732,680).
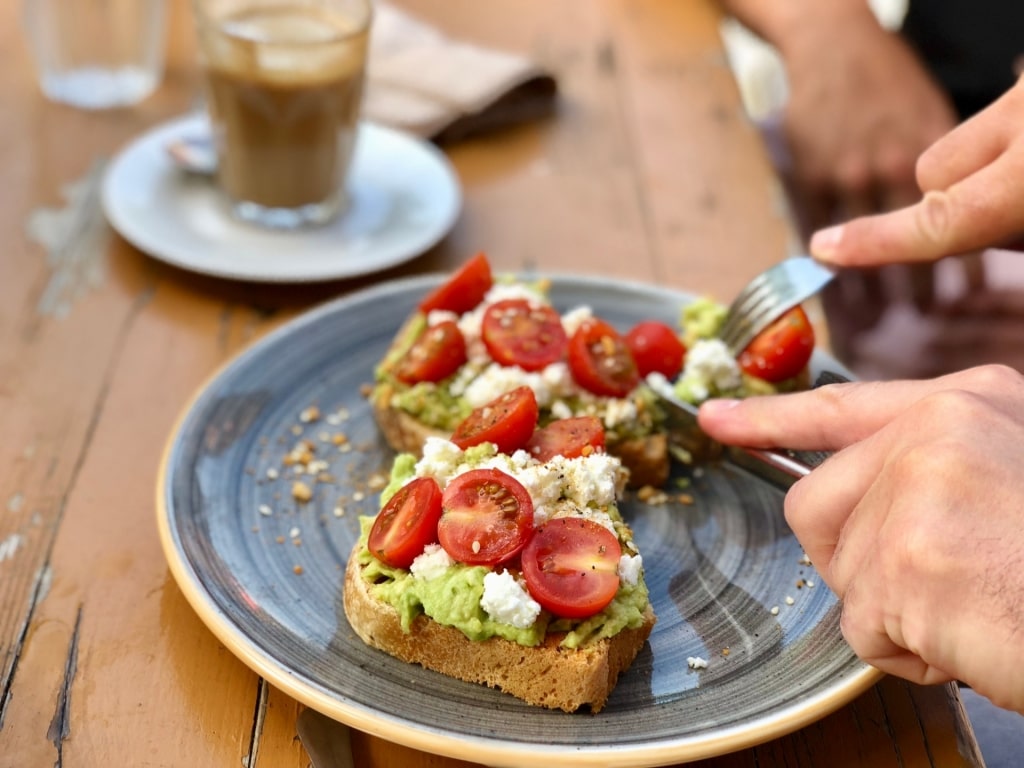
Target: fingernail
(719,405)
(824,242)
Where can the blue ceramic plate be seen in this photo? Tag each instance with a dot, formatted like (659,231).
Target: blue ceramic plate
(264,571)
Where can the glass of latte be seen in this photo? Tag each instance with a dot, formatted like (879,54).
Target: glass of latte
(284,81)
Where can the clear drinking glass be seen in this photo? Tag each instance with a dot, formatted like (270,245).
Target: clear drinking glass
(96,54)
(284,84)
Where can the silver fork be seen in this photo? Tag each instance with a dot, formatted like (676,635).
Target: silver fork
(769,295)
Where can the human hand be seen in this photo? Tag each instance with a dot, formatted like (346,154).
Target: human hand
(860,111)
(917,520)
(971,180)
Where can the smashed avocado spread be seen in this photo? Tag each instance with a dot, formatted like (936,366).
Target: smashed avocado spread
(453,597)
(710,369)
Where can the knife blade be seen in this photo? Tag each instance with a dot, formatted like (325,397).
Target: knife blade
(327,742)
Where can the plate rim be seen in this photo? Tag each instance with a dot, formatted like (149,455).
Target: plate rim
(495,752)
(135,152)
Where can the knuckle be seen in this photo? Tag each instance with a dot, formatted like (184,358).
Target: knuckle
(895,166)
(927,170)
(996,377)
(934,217)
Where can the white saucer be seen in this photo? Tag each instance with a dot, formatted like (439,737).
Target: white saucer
(405,197)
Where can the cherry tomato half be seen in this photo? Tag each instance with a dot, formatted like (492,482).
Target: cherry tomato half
(781,350)
(407,523)
(507,421)
(487,517)
(573,437)
(463,290)
(438,352)
(518,333)
(571,566)
(600,361)
(656,347)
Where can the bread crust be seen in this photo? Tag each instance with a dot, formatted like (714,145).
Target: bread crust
(544,676)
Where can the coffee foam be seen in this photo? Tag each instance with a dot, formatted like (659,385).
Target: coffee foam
(288,46)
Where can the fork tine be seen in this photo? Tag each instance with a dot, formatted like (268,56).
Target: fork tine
(768,295)
(748,302)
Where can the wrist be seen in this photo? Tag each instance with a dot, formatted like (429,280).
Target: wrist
(806,28)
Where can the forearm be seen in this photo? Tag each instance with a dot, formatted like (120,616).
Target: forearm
(787,24)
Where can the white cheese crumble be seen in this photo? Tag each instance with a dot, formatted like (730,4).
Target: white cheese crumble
(506,600)
(710,368)
(586,480)
(574,318)
(696,662)
(431,563)
(629,569)
(552,383)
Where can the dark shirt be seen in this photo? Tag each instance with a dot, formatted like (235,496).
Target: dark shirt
(971,46)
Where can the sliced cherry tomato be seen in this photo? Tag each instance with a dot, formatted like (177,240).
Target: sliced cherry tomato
(518,333)
(571,566)
(600,361)
(571,438)
(438,352)
(507,421)
(487,517)
(781,350)
(656,347)
(407,523)
(463,290)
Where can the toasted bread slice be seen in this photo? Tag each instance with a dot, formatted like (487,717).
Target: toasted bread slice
(545,675)
(646,458)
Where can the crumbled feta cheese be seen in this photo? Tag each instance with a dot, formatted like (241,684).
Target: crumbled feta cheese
(710,368)
(568,508)
(438,316)
(574,318)
(506,600)
(592,479)
(433,562)
(561,410)
(696,662)
(549,384)
(440,459)
(620,411)
(629,568)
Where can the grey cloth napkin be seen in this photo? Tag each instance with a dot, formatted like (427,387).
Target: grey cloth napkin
(423,82)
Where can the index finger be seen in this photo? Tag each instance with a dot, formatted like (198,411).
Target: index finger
(827,418)
(983,210)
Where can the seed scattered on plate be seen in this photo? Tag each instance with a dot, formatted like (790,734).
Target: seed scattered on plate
(774,610)
(265,510)
(789,600)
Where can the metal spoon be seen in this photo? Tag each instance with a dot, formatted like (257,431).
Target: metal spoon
(194,154)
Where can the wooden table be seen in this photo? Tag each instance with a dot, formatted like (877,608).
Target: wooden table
(649,172)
